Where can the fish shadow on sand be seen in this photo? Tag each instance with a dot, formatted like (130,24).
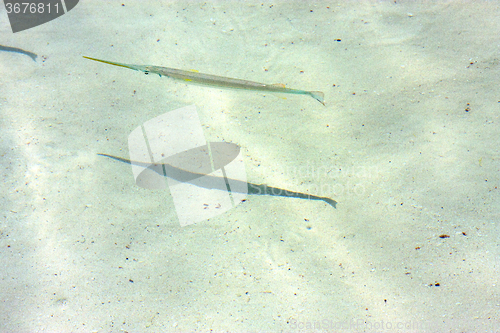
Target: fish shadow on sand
(214,183)
(18,50)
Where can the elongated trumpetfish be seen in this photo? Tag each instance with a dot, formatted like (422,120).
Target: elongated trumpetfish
(214,80)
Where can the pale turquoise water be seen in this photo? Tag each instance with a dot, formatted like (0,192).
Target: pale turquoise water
(407,144)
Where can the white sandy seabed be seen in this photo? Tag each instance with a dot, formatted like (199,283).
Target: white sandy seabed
(407,144)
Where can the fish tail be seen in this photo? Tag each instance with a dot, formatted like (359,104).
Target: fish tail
(318,95)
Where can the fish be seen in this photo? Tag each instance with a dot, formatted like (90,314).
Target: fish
(18,50)
(213,182)
(214,80)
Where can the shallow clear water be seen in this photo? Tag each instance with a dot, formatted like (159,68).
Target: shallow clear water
(407,145)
